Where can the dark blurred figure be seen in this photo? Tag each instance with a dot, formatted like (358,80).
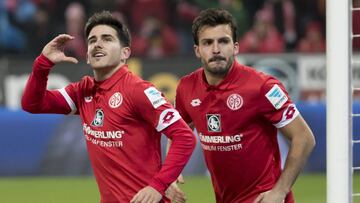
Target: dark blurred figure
(313,41)
(75,18)
(39,31)
(356,25)
(13,16)
(155,39)
(152,27)
(263,37)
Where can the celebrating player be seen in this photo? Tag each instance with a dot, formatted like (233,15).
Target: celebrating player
(123,116)
(236,112)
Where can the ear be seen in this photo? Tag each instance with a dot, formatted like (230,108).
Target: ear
(196,50)
(125,53)
(236,47)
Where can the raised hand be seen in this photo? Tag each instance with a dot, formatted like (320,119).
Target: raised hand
(54,50)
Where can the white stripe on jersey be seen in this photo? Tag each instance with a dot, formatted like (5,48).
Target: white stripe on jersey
(68,100)
(290,113)
(167,117)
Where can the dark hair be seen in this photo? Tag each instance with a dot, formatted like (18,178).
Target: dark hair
(213,17)
(106,18)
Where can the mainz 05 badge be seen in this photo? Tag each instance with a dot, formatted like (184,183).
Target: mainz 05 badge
(213,122)
(98,119)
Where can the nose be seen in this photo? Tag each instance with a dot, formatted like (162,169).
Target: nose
(98,44)
(215,48)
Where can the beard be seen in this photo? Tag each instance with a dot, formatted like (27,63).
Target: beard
(221,67)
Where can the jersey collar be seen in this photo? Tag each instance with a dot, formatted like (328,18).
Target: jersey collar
(233,74)
(113,79)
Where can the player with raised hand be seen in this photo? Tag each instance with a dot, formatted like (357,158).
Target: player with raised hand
(122,115)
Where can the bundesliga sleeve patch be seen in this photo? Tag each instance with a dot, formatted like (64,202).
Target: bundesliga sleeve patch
(276,96)
(167,117)
(154,97)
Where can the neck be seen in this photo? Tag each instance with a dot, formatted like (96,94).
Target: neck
(105,73)
(215,79)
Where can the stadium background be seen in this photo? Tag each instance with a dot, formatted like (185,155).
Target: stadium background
(43,157)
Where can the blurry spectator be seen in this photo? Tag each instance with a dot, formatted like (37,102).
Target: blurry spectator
(356,25)
(74,23)
(314,40)
(307,11)
(39,30)
(284,20)
(139,10)
(12,15)
(237,9)
(154,39)
(263,37)
(186,11)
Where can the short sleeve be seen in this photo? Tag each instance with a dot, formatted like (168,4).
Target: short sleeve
(153,107)
(70,95)
(276,104)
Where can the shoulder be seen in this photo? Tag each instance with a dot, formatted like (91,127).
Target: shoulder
(191,78)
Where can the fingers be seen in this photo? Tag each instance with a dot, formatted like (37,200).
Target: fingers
(180,179)
(62,38)
(259,198)
(70,59)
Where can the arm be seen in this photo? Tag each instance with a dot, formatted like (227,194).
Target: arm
(36,99)
(183,144)
(174,193)
(302,142)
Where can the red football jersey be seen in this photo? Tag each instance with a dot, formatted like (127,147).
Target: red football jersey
(237,123)
(123,117)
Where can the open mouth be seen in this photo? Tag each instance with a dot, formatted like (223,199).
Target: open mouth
(98,54)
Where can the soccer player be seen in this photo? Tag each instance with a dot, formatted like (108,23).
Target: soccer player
(236,112)
(123,116)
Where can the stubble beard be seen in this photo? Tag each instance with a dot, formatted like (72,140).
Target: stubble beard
(219,70)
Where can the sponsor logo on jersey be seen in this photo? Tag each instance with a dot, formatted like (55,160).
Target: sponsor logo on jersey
(234,102)
(167,117)
(213,122)
(98,119)
(276,97)
(289,115)
(195,102)
(155,97)
(115,100)
(88,99)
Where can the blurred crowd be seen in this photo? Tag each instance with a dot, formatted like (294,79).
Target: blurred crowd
(162,28)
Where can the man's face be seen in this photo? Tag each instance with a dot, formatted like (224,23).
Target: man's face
(104,49)
(216,49)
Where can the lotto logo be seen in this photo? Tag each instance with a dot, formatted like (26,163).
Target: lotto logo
(290,112)
(168,117)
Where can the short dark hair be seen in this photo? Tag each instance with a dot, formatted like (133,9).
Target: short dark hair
(106,18)
(213,17)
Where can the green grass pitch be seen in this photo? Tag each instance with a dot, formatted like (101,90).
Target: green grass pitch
(309,188)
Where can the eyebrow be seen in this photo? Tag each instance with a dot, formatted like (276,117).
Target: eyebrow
(102,36)
(212,39)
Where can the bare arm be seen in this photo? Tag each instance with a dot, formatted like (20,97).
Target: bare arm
(302,142)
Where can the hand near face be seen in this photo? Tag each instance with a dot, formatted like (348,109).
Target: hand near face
(147,195)
(54,50)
